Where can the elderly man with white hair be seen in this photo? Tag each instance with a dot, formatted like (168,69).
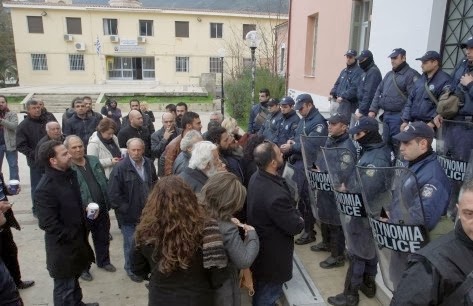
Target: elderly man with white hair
(204,163)
(186,145)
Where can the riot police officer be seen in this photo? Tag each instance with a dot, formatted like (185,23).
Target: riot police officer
(289,121)
(269,130)
(369,82)
(344,89)
(311,124)
(420,106)
(333,239)
(259,112)
(362,270)
(391,95)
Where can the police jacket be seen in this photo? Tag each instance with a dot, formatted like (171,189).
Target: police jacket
(419,107)
(270,128)
(128,192)
(346,84)
(255,122)
(287,127)
(375,155)
(367,88)
(387,96)
(314,124)
(464,92)
(82,127)
(434,186)
(435,271)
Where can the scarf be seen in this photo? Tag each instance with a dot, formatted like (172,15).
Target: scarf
(110,145)
(366,64)
(370,138)
(213,250)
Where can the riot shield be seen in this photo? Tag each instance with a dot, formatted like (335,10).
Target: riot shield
(340,164)
(396,216)
(454,143)
(322,199)
(288,175)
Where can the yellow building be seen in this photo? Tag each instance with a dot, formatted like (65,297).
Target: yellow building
(61,42)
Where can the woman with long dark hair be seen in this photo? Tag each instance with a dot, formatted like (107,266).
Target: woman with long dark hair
(179,246)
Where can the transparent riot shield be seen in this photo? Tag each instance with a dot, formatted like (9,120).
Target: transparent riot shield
(322,199)
(396,215)
(333,105)
(288,175)
(454,143)
(340,164)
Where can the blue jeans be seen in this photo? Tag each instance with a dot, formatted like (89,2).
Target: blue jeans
(128,231)
(266,293)
(12,159)
(67,292)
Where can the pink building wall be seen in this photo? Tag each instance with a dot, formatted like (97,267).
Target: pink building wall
(333,36)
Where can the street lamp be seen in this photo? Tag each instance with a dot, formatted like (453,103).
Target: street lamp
(221,54)
(252,40)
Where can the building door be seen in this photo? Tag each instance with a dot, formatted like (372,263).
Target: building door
(458,27)
(130,68)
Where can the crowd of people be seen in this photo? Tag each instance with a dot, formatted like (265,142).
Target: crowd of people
(199,212)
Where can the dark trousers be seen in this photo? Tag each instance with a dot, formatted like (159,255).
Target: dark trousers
(333,237)
(392,125)
(357,269)
(100,229)
(35,177)
(67,292)
(9,254)
(266,293)
(304,201)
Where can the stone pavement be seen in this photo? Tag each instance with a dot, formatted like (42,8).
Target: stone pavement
(113,289)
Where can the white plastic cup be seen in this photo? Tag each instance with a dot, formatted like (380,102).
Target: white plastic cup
(92,210)
(124,152)
(13,186)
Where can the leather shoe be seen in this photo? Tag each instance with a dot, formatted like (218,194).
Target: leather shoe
(25,284)
(332,262)
(368,287)
(86,276)
(109,268)
(320,247)
(344,300)
(306,238)
(136,278)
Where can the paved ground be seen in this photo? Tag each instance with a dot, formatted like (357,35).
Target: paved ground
(112,289)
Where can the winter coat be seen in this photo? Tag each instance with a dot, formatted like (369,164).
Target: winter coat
(97,148)
(10,123)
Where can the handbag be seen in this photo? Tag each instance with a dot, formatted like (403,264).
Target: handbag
(448,103)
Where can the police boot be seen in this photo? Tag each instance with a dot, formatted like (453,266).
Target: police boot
(342,299)
(368,287)
(306,237)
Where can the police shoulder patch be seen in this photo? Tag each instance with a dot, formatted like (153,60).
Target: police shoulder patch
(370,172)
(319,128)
(428,190)
(287,127)
(431,87)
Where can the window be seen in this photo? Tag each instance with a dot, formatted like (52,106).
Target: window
(74,25)
(216,65)
(247,28)
(360,24)
(110,26)
(216,30)
(182,28)
(311,44)
(39,61)
(182,64)
(76,62)
(146,27)
(282,59)
(35,24)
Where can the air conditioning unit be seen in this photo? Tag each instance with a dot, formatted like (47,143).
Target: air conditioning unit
(114,38)
(142,39)
(68,37)
(80,46)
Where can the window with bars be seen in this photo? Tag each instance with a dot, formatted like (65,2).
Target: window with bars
(76,62)
(216,30)
(35,24)
(146,27)
(73,25)
(247,28)
(215,65)
(182,64)
(182,28)
(39,61)
(110,26)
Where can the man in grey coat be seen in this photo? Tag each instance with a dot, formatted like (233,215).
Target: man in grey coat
(8,124)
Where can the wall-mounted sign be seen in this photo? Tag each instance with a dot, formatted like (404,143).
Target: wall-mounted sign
(129,49)
(128,42)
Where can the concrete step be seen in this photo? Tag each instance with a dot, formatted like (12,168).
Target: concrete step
(60,102)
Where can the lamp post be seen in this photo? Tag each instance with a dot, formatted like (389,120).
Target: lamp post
(221,54)
(252,40)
